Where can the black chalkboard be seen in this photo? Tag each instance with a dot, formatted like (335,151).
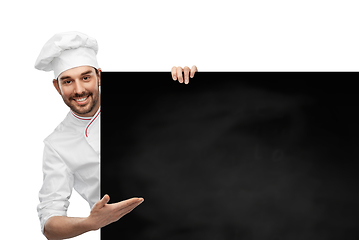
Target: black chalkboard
(232,155)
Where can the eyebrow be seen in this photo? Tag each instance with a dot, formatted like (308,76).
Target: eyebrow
(66,77)
(87,72)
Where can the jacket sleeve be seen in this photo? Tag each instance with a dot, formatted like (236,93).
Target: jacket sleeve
(57,186)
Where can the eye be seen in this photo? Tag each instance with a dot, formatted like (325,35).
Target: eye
(86,78)
(67,82)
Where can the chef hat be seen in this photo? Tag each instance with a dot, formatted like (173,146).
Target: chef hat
(67,50)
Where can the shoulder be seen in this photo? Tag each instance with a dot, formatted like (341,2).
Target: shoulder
(63,131)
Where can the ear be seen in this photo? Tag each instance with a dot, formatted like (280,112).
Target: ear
(56,85)
(99,76)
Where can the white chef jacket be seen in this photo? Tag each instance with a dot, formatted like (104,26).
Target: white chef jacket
(71,160)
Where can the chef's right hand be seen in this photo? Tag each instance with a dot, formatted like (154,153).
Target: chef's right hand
(103,213)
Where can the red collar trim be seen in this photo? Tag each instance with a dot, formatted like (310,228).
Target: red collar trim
(93,119)
(81,118)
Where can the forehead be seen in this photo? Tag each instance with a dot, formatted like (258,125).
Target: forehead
(76,71)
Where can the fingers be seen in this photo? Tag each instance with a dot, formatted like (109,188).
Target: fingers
(105,199)
(174,73)
(129,203)
(187,73)
(193,70)
(102,202)
(179,74)
(124,207)
(102,215)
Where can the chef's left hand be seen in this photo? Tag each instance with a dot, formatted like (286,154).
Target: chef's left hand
(177,73)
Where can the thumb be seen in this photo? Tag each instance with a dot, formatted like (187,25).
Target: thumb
(102,202)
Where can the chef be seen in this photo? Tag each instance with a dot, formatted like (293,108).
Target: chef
(72,152)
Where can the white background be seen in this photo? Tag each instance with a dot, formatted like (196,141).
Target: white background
(255,35)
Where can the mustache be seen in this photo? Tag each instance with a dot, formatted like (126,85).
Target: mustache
(81,95)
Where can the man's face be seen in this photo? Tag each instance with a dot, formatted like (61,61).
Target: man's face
(79,88)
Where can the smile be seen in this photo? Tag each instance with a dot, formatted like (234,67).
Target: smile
(82,101)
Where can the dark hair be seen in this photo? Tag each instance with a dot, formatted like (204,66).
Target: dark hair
(96,71)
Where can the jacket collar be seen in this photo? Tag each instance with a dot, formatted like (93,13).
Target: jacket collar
(84,123)
(80,118)
(85,118)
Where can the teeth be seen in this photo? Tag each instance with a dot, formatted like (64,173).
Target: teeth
(81,99)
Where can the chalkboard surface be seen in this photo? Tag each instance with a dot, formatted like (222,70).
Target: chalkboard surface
(232,155)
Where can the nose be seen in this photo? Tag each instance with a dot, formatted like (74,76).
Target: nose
(78,88)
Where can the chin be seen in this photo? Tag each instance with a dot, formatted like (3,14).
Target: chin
(81,111)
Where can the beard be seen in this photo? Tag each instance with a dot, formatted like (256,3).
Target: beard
(82,109)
